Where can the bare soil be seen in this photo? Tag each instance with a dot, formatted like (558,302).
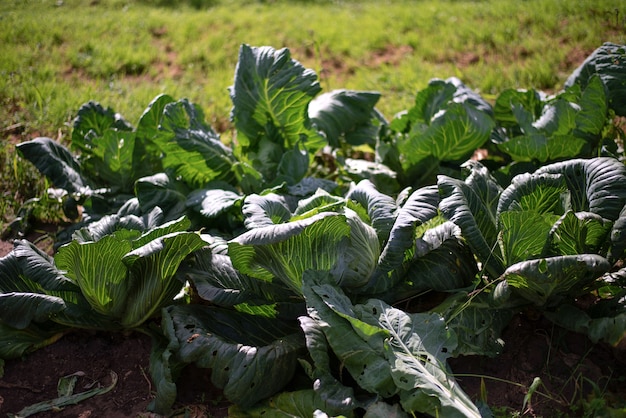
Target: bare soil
(567,363)
(34,379)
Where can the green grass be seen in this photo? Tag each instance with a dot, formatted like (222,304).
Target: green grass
(57,55)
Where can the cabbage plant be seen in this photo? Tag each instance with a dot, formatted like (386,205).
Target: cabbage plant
(114,282)
(536,128)
(365,244)
(548,238)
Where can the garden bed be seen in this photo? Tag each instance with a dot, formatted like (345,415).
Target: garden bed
(567,364)
(419,280)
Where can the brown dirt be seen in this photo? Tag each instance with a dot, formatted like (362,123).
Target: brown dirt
(391,55)
(5,247)
(565,362)
(34,379)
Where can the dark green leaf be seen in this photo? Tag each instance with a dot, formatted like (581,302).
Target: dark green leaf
(452,135)
(417,349)
(359,346)
(250,357)
(19,309)
(38,267)
(265,210)
(618,237)
(270,99)
(91,122)
(285,251)
(545,281)
(420,207)
(309,185)
(471,208)
(483,184)
(579,233)
(55,162)
(106,143)
(181,224)
(523,234)
(476,322)
(596,185)
(541,193)
(107,225)
(337,396)
(357,261)
(249,179)
(383,177)
(293,165)
(321,201)
(40,288)
(380,207)
(152,281)
(14,343)
(152,117)
(302,403)
(147,155)
(217,281)
(608,62)
(516,109)
(192,148)
(110,160)
(538,147)
(346,116)
(447,123)
(558,117)
(593,107)
(163,191)
(610,329)
(212,202)
(164,371)
(441,261)
(97,268)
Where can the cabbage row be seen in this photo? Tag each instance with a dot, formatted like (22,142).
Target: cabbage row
(279,258)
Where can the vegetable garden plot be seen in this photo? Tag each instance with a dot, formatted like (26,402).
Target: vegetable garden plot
(282,255)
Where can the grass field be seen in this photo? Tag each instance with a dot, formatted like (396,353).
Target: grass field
(58,54)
